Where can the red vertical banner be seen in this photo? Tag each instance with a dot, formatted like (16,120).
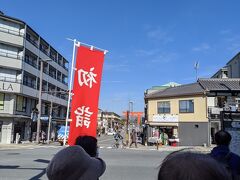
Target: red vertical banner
(86,87)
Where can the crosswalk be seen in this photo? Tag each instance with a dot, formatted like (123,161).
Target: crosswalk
(127,148)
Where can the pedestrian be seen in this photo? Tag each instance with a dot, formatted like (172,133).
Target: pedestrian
(182,165)
(223,155)
(118,138)
(73,163)
(53,136)
(43,136)
(133,138)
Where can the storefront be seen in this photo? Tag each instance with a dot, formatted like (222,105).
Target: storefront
(163,128)
(14,128)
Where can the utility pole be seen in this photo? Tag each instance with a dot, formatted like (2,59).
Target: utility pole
(40,99)
(130,118)
(127,131)
(50,122)
(39,102)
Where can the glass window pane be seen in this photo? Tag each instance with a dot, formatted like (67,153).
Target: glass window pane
(163,107)
(186,106)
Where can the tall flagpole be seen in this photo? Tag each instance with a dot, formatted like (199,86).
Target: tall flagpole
(70,90)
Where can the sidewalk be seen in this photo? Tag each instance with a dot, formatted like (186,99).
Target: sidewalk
(201,149)
(26,145)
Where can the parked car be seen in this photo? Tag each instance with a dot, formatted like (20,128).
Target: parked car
(110,132)
(61,134)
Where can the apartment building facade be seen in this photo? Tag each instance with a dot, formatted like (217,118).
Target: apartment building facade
(21,52)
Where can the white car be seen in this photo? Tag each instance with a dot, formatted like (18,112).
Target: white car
(111,133)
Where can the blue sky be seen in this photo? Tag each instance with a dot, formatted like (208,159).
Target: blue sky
(150,42)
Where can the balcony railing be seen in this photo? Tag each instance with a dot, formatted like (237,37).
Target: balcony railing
(29,84)
(13,32)
(10,79)
(32,41)
(31,62)
(10,55)
(214,112)
(44,50)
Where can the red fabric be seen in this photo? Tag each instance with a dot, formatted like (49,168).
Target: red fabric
(84,109)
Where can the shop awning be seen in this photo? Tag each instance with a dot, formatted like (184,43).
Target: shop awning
(162,124)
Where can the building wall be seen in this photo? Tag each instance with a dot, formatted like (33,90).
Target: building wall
(200,109)
(7,130)
(210,101)
(234,67)
(8,104)
(193,133)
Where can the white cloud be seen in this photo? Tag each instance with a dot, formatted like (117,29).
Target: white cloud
(116,67)
(202,47)
(233,43)
(109,82)
(164,57)
(144,52)
(156,55)
(225,31)
(159,34)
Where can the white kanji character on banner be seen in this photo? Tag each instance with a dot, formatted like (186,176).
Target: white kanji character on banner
(85,77)
(83,116)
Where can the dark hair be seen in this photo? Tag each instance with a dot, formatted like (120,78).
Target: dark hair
(88,143)
(223,138)
(191,166)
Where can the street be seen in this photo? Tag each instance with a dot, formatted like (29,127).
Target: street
(30,161)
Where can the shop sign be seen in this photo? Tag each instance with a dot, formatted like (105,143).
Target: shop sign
(6,86)
(44,118)
(165,118)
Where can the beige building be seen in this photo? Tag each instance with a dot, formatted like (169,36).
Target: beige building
(186,112)
(107,120)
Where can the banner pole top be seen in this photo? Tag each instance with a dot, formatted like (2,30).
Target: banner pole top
(78,44)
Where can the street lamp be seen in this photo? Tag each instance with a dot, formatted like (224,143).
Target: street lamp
(40,98)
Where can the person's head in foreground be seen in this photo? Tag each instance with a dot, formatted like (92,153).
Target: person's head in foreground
(88,143)
(191,166)
(223,138)
(73,163)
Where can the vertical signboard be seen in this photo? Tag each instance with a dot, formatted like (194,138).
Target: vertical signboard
(86,87)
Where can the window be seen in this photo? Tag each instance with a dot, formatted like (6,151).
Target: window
(163,107)
(2,101)
(186,106)
(21,104)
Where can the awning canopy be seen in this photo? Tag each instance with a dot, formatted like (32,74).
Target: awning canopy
(162,124)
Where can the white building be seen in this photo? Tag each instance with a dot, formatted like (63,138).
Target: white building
(21,50)
(231,70)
